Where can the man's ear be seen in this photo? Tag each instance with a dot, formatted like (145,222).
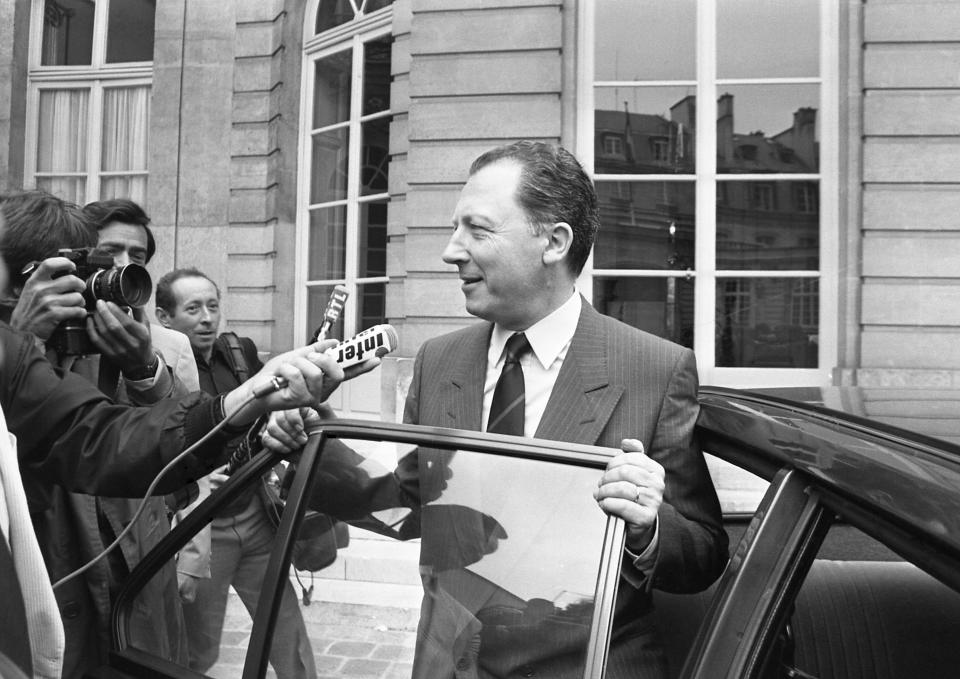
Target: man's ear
(163,317)
(559,241)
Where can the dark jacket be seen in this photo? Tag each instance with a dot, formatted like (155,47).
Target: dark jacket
(70,434)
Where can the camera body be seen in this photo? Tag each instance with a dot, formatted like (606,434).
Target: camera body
(127,286)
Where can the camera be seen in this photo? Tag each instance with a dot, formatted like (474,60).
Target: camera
(128,286)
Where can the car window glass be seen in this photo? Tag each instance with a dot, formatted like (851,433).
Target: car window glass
(863,611)
(477,552)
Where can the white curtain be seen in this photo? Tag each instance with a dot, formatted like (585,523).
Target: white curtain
(126,125)
(62,142)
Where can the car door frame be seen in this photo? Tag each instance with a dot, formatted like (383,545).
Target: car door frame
(126,659)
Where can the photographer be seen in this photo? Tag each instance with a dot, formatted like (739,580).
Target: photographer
(71,435)
(53,297)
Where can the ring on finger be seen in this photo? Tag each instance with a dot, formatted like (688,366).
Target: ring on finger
(636,498)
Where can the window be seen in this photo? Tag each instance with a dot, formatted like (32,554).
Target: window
(761,197)
(477,522)
(661,150)
(344,165)
(740,131)
(613,146)
(89,98)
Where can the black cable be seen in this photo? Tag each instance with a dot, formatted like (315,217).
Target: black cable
(143,503)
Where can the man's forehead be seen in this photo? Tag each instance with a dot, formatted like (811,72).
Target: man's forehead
(117,231)
(490,188)
(190,288)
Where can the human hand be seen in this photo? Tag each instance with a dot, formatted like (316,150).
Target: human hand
(187,586)
(122,339)
(302,377)
(632,488)
(218,477)
(49,297)
(284,432)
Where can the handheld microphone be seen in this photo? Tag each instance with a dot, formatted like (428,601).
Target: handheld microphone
(330,315)
(372,342)
(375,341)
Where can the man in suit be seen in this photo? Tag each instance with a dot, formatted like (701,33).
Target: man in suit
(523,228)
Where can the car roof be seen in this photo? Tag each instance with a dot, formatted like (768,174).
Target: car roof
(909,477)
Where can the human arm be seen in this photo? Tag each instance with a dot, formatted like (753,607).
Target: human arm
(692,549)
(125,341)
(71,434)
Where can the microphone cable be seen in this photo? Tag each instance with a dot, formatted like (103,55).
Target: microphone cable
(143,502)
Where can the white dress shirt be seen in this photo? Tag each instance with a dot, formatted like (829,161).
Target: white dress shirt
(549,340)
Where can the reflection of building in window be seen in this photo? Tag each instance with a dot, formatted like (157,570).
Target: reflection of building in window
(661,150)
(737,296)
(612,145)
(88,131)
(808,197)
(805,303)
(761,197)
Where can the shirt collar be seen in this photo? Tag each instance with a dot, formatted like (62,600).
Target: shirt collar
(548,337)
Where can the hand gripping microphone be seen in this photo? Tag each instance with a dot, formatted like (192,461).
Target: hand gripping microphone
(373,342)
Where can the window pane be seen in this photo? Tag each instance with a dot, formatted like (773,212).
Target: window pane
(768,128)
(643,130)
(767,322)
(317,298)
(328,232)
(130,30)
(768,226)
(645,225)
(860,593)
(372,307)
(67,33)
(373,239)
(328,180)
(126,125)
(768,38)
(62,143)
(376,76)
(662,306)
(73,189)
(376,157)
(333,13)
(134,188)
(331,89)
(646,40)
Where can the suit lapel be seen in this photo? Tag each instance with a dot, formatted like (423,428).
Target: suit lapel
(583,399)
(463,384)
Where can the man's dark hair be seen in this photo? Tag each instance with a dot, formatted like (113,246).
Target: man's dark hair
(102,212)
(37,225)
(164,296)
(553,188)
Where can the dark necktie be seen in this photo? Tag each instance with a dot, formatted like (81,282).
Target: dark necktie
(507,408)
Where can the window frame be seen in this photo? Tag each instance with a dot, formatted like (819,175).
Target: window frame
(347,36)
(705,273)
(496,445)
(96,77)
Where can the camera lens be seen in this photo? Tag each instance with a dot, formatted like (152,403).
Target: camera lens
(129,285)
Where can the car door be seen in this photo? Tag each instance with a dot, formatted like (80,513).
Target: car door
(492,537)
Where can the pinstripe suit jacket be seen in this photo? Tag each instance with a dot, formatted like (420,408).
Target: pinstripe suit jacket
(616,382)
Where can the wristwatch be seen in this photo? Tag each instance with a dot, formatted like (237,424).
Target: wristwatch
(145,372)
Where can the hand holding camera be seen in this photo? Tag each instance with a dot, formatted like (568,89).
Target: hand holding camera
(50,296)
(73,302)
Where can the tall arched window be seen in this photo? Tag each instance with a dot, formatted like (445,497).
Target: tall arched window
(88,118)
(344,163)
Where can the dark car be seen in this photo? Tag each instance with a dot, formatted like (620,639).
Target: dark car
(845,546)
